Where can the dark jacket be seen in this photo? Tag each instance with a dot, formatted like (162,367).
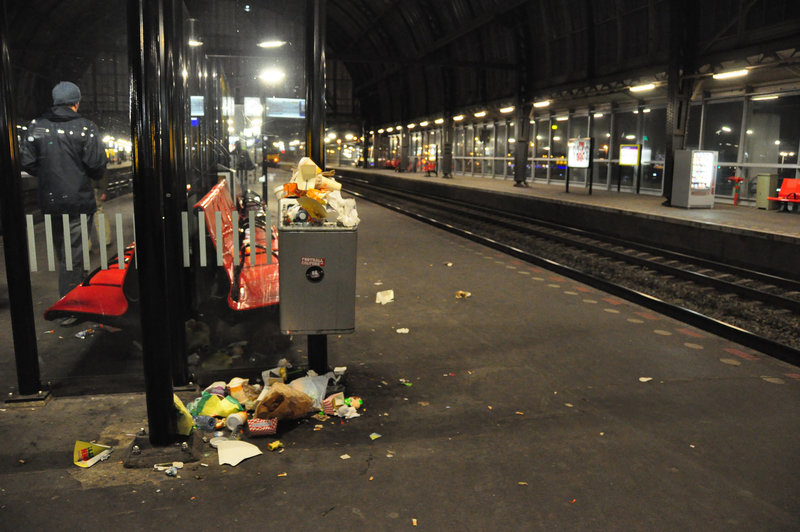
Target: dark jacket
(64,151)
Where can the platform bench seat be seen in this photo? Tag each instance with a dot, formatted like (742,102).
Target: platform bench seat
(788,193)
(252,285)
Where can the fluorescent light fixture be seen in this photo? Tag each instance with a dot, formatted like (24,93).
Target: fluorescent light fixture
(512,140)
(642,88)
(630,137)
(479,114)
(646,110)
(749,131)
(556,138)
(726,129)
(381,130)
(424,123)
(194,42)
(389,129)
(543,103)
(458,118)
(398,127)
(598,115)
(777,143)
(506,110)
(372,132)
(731,74)
(412,125)
(272,75)
(439,121)
(762,98)
(271,44)
(562,118)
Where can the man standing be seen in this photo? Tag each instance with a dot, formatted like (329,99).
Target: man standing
(64,152)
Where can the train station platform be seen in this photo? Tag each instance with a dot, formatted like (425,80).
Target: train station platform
(768,240)
(536,403)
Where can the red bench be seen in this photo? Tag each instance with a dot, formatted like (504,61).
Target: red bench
(788,193)
(252,285)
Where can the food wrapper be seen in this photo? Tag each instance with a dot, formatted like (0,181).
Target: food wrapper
(87,454)
(262,427)
(332,403)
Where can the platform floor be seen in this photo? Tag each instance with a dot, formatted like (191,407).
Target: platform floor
(537,403)
(741,217)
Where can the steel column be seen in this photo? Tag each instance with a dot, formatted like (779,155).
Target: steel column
(315,131)
(15,246)
(151,130)
(315,81)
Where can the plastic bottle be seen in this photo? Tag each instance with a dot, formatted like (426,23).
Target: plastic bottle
(206,423)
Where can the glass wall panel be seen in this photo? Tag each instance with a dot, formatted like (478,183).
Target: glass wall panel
(558,150)
(722,129)
(625,124)
(772,140)
(654,126)
(601,132)
(541,149)
(693,126)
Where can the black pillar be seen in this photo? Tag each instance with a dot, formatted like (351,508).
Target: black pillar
(315,81)
(152,128)
(15,246)
(175,187)
(315,131)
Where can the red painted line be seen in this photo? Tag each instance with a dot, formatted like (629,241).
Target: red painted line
(741,354)
(795,376)
(583,289)
(648,316)
(612,301)
(690,332)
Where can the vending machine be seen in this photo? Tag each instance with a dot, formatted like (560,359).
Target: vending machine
(694,179)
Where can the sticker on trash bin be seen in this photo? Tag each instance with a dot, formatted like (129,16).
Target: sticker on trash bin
(312,261)
(315,274)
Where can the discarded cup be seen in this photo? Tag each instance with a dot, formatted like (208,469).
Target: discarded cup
(235,421)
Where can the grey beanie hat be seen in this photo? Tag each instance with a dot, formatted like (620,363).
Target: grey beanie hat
(66,93)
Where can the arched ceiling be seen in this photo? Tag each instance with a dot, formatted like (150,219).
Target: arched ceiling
(396,60)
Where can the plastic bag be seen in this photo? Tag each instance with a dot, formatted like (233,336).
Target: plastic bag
(283,402)
(214,405)
(345,208)
(314,387)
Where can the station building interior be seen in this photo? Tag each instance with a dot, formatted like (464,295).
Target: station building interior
(468,86)
(490,89)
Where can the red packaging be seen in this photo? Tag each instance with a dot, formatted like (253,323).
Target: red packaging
(262,427)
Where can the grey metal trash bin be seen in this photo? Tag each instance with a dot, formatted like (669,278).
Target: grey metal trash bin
(317,269)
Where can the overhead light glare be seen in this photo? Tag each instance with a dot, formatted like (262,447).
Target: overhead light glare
(763,98)
(381,131)
(194,42)
(730,74)
(562,118)
(389,129)
(598,115)
(424,123)
(272,75)
(479,114)
(506,110)
(643,88)
(458,118)
(412,125)
(439,121)
(543,103)
(271,44)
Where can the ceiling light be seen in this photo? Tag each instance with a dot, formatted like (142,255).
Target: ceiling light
(479,114)
(543,103)
(412,125)
(762,98)
(439,121)
(271,44)
(194,42)
(562,118)
(389,129)
(642,88)
(458,118)
(424,124)
(381,130)
(730,74)
(598,115)
(506,110)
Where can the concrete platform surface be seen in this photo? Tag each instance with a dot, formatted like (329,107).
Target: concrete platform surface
(537,403)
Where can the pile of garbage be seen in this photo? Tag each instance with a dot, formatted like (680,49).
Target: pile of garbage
(238,409)
(317,198)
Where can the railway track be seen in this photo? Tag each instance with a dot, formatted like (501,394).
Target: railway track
(755,309)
